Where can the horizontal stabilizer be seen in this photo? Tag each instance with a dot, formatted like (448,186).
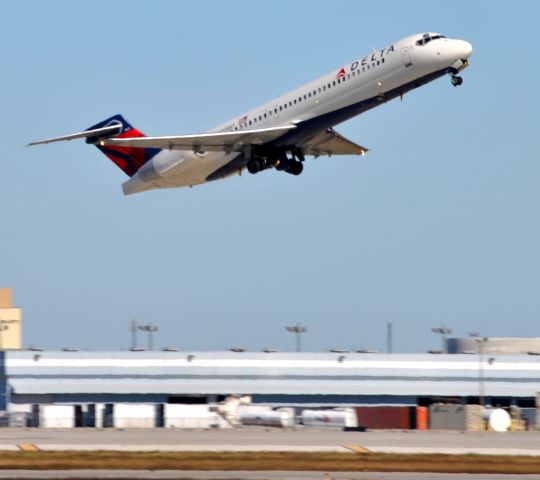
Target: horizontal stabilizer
(213,142)
(97,132)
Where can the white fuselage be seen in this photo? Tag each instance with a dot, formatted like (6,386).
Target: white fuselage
(381,73)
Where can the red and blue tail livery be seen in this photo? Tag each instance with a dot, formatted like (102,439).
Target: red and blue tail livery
(128,159)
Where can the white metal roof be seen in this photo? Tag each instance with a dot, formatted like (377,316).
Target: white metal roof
(184,373)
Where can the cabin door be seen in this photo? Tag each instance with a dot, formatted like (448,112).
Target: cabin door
(406,57)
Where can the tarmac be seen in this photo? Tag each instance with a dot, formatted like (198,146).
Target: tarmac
(266,439)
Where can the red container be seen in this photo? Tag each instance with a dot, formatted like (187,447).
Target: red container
(384,417)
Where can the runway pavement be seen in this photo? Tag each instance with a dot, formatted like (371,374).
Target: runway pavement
(261,439)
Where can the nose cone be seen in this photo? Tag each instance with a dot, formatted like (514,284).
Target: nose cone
(464,49)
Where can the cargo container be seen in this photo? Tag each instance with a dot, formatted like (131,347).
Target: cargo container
(422,418)
(134,415)
(528,415)
(456,417)
(55,416)
(189,416)
(382,417)
(20,415)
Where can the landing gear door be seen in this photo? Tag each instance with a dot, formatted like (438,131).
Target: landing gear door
(406,56)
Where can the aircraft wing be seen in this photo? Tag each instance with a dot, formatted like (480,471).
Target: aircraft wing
(212,142)
(330,142)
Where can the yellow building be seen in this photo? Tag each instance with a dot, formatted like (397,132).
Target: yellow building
(10,322)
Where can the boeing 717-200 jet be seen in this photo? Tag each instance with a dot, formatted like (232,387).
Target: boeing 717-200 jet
(281,133)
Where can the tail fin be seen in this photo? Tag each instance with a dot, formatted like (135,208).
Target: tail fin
(129,159)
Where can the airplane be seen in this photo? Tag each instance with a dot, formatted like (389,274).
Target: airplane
(281,133)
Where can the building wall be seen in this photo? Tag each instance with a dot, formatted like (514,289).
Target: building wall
(10,322)
(5,297)
(279,378)
(494,346)
(3,383)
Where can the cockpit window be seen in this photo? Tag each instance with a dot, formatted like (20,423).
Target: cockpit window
(426,38)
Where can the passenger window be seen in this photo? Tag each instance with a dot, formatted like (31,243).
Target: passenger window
(334,83)
(265,115)
(382,60)
(280,109)
(378,63)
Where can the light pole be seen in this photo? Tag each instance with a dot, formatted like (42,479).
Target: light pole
(480,341)
(298,330)
(442,331)
(150,329)
(133,334)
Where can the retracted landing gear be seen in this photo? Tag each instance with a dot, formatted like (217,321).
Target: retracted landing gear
(456,80)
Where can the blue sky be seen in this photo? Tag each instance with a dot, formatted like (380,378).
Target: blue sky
(439,223)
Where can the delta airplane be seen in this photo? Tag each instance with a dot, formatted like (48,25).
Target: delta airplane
(282,132)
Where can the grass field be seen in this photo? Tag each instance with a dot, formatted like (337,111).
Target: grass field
(292,461)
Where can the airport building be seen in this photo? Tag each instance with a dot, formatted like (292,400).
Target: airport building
(97,386)
(493,345)
(166,387)
(10,322)
(277,378)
